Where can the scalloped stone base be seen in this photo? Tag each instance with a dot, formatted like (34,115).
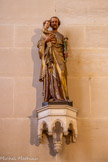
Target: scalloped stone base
(63,114)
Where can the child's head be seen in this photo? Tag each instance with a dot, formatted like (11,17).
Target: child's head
(46,24)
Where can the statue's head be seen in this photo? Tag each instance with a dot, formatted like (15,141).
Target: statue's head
(46,24)
(54,22)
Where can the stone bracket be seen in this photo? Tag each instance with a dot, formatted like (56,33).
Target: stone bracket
(58,121)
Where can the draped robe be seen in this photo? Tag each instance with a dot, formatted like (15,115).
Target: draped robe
(53,68)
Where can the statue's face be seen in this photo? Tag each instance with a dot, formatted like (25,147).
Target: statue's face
(47,25)
(54,23)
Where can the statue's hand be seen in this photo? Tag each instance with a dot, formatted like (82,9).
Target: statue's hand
(53,41)
(49,38)
(66,54)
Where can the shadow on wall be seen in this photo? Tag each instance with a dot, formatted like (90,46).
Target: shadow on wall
(36,84)
(36,69)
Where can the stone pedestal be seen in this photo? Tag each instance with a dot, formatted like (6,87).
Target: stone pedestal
(58,120)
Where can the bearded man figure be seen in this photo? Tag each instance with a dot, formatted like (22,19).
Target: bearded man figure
(53,68)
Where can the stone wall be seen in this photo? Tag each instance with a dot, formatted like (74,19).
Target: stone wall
(85,23)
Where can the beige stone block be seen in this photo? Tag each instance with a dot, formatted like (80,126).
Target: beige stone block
(6,97)
(87,62)
(19,62)
(82,12)
(97,12)
(79,93)
(96,36)
(99,101)
(24,97)
(75,34)
(91,145)
(27,36)
(6,36)
(18,139)
(73,12)
(26,11)
(15,136)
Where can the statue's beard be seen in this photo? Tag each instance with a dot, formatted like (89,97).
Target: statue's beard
(54,27)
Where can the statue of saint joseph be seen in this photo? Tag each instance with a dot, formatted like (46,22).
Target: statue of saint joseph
(53,68)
